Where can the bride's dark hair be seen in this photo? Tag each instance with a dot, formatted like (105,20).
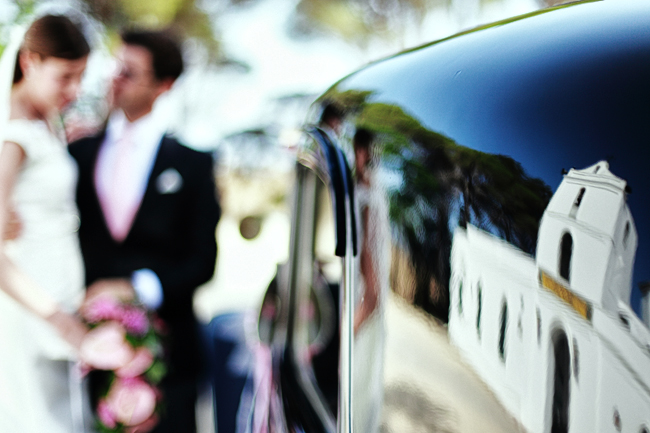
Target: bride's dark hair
(53,36)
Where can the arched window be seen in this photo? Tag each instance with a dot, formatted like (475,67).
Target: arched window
(576,203)
(624,321)
(618,422)
(626,234)
(579,198)
(576,360)
(539,327)
(502,331)
(566,250)
(478,311)
(561,383)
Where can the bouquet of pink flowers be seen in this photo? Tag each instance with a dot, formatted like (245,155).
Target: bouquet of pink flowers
(124,341)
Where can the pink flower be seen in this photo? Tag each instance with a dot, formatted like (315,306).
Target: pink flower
(132,400)
(105,414)
(135,320)
(105,347)
(102,308)
(140,363)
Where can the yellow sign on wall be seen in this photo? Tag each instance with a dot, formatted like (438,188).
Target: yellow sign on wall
(581,306)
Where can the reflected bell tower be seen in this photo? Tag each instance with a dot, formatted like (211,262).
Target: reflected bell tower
(587,238)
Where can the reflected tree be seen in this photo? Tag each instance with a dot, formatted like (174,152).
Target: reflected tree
(443,185)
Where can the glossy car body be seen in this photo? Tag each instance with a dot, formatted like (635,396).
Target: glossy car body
(436,199)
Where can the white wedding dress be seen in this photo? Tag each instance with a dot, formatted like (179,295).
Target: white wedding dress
(40,389)
(369,340)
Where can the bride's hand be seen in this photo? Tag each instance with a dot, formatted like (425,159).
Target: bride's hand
(117,288)
(70,327)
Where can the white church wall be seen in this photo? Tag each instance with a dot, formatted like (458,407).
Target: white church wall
(523,380)
(563,199)
(620,392)
(625,241)
(600,208)
(484,265)
(637,328)
(591,256)
(584,352)
(585,369)
(618,340)
(645,304)
(589,259)
(607,345)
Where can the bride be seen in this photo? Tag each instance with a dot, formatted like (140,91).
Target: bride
(41,275)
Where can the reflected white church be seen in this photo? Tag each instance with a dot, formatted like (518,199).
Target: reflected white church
(554,336)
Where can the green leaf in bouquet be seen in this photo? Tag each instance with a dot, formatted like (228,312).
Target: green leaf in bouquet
(133,340)
(150,340)
(156,372)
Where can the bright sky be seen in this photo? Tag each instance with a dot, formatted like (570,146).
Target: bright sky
(208,105)
(228,102)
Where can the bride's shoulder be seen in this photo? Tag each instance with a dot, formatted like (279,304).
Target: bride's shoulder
(25,132)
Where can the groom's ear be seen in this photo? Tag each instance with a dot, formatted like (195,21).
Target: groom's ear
(164,85)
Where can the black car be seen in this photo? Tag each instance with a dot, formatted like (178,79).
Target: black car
(470,245)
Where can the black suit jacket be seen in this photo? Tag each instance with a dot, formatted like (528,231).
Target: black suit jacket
(173,234)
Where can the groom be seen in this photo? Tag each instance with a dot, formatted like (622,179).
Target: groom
(148,212)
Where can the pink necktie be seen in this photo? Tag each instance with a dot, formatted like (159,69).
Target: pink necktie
(121,210)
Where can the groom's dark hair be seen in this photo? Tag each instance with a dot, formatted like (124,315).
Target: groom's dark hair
(165,51)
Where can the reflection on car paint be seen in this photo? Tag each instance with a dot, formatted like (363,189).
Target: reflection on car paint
(580,311)
(501,205)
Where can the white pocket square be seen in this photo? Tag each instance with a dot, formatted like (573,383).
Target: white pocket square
(169,181)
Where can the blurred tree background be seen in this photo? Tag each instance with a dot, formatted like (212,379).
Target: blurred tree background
(355,21)
(183,16)
(365,29)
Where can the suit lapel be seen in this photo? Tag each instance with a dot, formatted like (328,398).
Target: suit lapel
(161,161)
(96,143)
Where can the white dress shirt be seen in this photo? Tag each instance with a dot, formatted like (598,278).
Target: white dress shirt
(146,134)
